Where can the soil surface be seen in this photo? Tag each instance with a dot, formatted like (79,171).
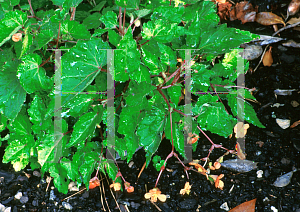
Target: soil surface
(276,150)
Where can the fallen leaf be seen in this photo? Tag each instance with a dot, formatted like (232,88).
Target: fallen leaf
(239,152)
(268,60)
(217,165)
(280,92)
(239,165)
(268,18)
(186,189)
(260,143)
(240,129)
(248,206)
(224,10)
(284,180)
(295,124)
(244,12)
(293,7)
(291,43)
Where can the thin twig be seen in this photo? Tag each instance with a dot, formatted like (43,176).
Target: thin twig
(124,18)
(262,57)
(104,196)
(101,197)
(120,20)
(73,194)
(31,10)
(113,195)
(72,18)
(287,27)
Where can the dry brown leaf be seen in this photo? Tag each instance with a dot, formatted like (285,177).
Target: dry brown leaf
(239,152)
(244,12)
(260,143)
(295,124)
(240,129)
(293,7)
(293,21)
(268,18)
(223,10)
(268,59)
(248,206)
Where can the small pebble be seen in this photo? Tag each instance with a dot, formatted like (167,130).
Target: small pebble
(18,195)
(24,199)
(274,209)
(259,173)
(85,194)
(67,206)
(224,206)
(36,173)
(52,196)
(35,202)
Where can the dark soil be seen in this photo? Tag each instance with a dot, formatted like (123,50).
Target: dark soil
(278,155)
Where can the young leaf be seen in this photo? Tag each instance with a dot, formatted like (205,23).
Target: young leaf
(33,77)
(76,30)
(150,131)
(84,128)
(10,24)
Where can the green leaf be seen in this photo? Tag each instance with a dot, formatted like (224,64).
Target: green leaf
(71,3)
(3,123)
(42,38)
(10,25)
(114,38)
(51,148)
(81,65)
(141,75)
(60,175)
(21,125)
(243,110)
(93,21)
(75,29)
(201,79)
(168,56)
(99,6)
(175,93)
(84,128)
(127,60)
(18,151)
(212,116)
(141,13)
(170,14)
(37,113)
(79,105)
(221,39)
(86,160)
(27,42)
(12,94)
(109,20)
(150,131)
(33,77)
(127,3)
(178,138)
(162,31)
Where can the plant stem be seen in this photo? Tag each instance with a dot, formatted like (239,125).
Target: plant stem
(31,10)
